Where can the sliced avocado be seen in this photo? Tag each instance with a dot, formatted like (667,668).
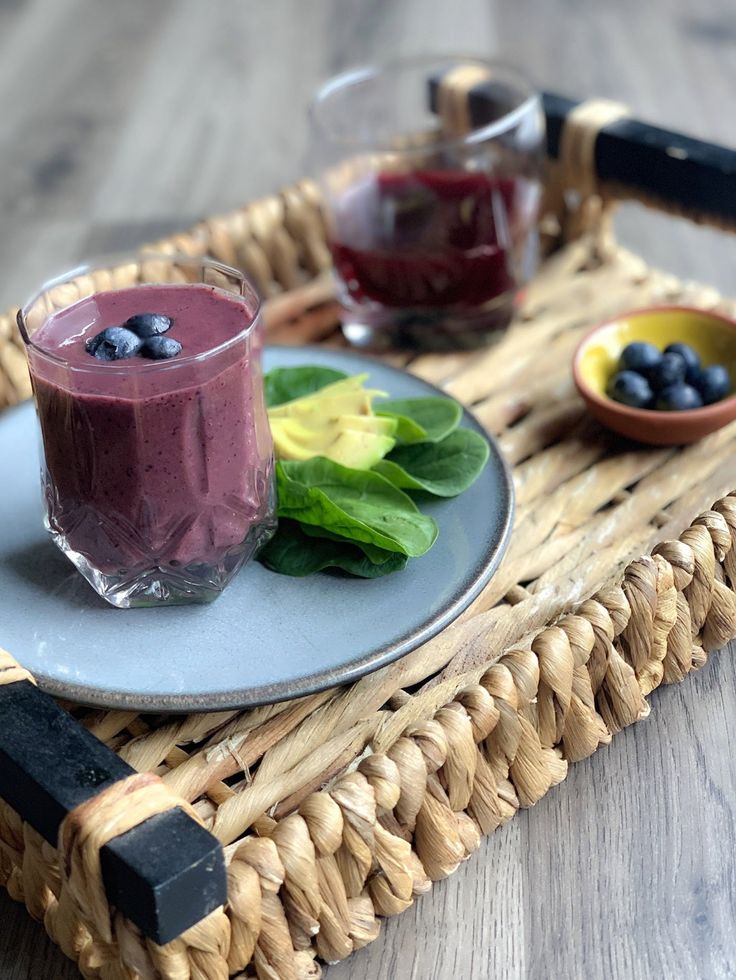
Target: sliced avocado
(359,450)
(345,388)
(338,441)
(337,422)
(292,440)
(324,409)
(371,423)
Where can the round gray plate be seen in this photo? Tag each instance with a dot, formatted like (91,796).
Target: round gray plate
(268,637)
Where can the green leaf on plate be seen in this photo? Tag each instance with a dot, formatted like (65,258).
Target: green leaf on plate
(291,551)
(444,468)
(407,430)
(436,417)
(371,551)
(285,384)
(356,504)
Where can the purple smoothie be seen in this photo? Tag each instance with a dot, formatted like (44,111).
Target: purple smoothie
(156,464)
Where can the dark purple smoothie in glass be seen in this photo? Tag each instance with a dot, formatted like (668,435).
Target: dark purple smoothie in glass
(157,473)
(429,170)
(433,243)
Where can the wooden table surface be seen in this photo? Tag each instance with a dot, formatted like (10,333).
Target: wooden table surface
(121,121)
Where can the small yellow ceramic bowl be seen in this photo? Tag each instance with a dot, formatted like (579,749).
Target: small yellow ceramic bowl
(712,335)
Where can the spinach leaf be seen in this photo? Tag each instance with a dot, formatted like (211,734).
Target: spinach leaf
(285,384)
(444,468)
(356,504)
(293,552)
(407,430)
(438,417)
(372,552)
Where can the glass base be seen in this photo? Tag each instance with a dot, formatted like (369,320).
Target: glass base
(171,584)
(380,328)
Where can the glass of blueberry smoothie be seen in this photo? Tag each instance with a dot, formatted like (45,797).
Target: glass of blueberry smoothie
(157,462)
(430,172)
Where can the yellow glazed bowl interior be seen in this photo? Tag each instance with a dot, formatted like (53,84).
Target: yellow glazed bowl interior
(712,335)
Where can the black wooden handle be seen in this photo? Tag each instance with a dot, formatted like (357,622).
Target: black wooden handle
(685,173)
(164,875)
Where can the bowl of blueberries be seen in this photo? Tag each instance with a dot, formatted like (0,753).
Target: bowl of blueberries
(664,376)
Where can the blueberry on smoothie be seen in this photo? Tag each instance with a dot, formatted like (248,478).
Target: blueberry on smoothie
(148,324)
(114,344)
(160,348)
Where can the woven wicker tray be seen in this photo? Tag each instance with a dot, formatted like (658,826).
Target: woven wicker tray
(343,807)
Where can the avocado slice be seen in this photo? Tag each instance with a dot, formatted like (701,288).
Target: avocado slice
(292,440)
(359,450)
(337,422)
(346,392)
(325,409)
(371,423)
(338,441)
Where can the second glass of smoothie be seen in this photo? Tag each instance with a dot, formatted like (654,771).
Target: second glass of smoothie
(431,188)
(157,463)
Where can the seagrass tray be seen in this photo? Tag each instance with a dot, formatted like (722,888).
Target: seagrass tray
(343,807)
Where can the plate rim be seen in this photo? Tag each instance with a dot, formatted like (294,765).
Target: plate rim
(322,680)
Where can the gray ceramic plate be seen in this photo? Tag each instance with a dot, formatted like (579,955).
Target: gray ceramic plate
(268,637)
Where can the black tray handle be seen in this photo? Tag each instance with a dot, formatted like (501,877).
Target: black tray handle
(165,875)
(644,162)
(638,161)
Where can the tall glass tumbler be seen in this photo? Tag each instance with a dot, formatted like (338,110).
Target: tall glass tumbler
(157,461)
(431,218)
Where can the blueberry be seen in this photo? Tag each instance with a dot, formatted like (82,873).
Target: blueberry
(630,388)
(671,370)
(160,348)
(714,383)
(691,358)
(678,398)
(92,343)
(148,324)
(640,356)
(114,344)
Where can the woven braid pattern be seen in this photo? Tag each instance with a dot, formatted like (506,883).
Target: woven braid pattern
(316,881)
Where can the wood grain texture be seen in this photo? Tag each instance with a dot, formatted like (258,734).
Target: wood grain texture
(120,122)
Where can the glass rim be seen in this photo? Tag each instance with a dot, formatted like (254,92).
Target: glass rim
(342,82)
(115,259)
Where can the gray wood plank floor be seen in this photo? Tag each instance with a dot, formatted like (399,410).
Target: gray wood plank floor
(119,122)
